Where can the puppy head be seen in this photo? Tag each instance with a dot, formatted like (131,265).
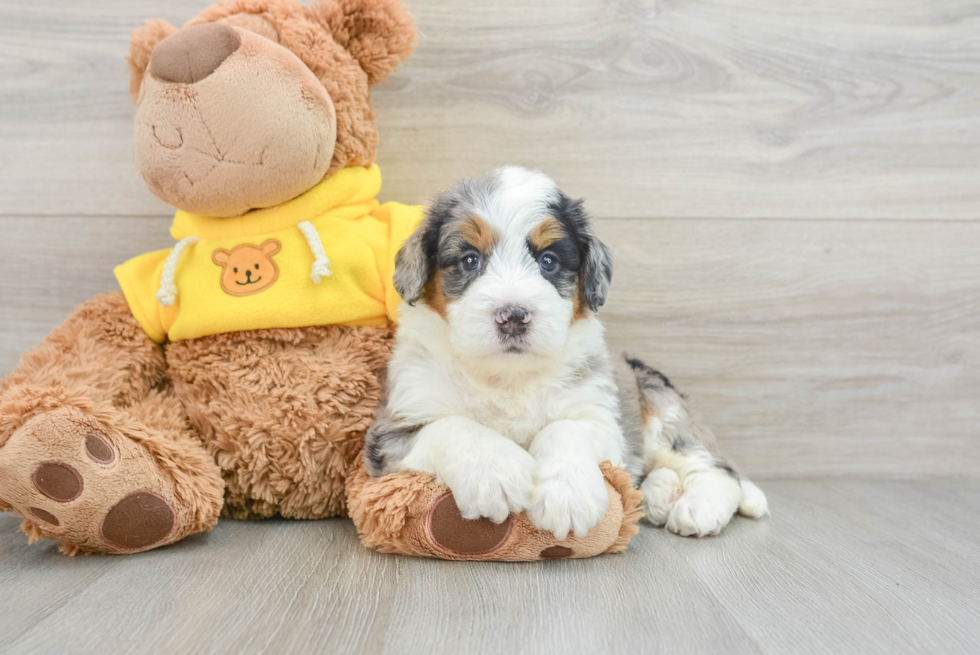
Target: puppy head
(509,262)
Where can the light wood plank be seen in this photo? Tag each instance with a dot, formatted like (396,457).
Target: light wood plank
(857,567)
(701,109)
(812,348)
(843,566)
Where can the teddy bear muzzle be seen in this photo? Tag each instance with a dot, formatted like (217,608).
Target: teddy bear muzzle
(228,121)
(191,54)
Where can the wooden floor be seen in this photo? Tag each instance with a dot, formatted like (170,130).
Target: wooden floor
(842,566)
(792,192)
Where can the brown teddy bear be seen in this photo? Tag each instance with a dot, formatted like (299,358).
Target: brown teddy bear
(207,388)
(237,372)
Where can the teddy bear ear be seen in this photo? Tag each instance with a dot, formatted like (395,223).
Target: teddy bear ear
(379,34)
(141,44)
(220,256)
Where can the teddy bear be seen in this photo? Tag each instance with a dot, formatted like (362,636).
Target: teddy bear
(236,373)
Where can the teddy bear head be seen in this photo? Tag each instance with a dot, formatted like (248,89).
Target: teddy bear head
(254,102)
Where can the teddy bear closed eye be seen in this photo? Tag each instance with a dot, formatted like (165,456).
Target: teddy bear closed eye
(237,372)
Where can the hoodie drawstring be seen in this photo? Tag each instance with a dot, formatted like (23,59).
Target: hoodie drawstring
(321,265)
(168,290)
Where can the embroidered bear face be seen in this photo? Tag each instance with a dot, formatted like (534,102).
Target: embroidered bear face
(247,269)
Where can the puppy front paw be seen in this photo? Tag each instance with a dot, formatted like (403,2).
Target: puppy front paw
(492,482)
(569,498)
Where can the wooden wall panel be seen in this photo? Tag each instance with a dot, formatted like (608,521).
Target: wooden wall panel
(676,108)
(812,348)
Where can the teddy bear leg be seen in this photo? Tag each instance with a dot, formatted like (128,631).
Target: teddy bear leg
(95,451)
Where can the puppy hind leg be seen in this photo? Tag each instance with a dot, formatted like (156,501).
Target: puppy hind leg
(711,495)
(754,504)
(661,489)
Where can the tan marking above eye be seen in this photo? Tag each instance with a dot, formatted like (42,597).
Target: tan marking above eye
(546,233)
(477,233)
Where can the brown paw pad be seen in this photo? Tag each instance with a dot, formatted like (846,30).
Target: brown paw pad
(58,481)
(556,552)
(47,517)
(138,521)
(449,529)
(99,449)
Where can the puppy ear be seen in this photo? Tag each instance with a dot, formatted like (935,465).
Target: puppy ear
(141,44)
(597,272)
(597,258)
(415,263)
(411,267)
(379,34)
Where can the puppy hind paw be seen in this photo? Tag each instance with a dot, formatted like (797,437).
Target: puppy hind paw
(699,516)
(754,504)
(661,490)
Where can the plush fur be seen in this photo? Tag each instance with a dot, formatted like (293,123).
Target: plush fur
(398,513)
(191,141)
(98,373)
(501,386)
(112,443)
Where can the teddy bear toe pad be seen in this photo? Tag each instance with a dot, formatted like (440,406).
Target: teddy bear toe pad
(70,481)
(449,529)
(410,513)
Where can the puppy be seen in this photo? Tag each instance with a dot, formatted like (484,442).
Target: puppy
(501,385)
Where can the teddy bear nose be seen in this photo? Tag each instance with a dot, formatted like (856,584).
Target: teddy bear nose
(191,54)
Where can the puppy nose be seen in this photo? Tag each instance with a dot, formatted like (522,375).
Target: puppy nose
(512,320)
(191,54)
(248,273)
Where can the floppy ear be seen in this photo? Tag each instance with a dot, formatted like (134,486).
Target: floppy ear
(141,44)
(597,259)
(220,256)
(379,34)
(412,266)
(270,247)
(415,262)
(597,272)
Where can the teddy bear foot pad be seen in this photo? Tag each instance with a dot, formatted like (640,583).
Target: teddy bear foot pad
(409,513)
(70,481)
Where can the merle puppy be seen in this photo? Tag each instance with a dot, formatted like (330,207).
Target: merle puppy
(501,385)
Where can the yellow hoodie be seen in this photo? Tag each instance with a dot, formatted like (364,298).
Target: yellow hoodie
(326,257)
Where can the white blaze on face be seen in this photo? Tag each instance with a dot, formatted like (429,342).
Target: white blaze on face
(511,277)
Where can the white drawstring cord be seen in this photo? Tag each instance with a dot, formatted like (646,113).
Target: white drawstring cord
(167,294)
(321,265)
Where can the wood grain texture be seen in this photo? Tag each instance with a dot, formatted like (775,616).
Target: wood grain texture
(842,566)
(812,348)
(671,108)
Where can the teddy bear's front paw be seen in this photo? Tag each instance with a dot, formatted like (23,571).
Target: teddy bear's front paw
(569,498)
(493,482)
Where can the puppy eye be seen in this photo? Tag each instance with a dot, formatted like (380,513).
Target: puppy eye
(256,267)
(470,262)
(236,269)
(548,263)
